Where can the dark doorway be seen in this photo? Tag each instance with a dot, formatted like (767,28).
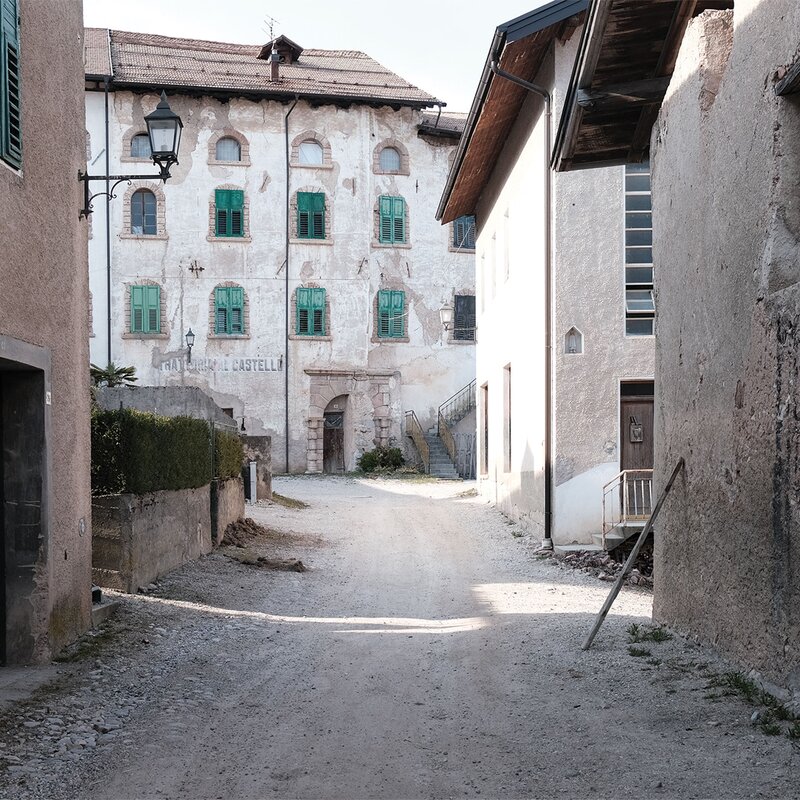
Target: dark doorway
(333,442)
(22,442)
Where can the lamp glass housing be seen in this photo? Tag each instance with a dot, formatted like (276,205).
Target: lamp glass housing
(446,315)
(164,128)
(190,338)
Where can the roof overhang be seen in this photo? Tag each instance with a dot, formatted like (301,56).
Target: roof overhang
(519,47)
(624,64)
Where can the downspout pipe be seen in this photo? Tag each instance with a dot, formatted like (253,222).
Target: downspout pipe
(286,284)
(108,221)
(548,298)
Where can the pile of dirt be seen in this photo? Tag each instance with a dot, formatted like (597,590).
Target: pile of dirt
(242,532)
(251,559)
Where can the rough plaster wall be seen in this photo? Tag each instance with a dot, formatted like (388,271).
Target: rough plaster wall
(349,266)
(727,232)
(44,300)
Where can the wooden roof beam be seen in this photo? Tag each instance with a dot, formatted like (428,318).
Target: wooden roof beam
(623,95)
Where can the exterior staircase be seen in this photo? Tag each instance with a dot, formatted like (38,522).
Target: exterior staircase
(441,465)
(627,505)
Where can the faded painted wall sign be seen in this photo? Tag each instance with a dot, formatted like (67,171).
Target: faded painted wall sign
(223,365)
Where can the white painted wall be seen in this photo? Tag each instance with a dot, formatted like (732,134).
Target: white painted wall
(588,251)
(247,374)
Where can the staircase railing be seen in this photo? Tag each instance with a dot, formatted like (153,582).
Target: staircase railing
(446,435)
(628,497)
(414,430)
(458,406)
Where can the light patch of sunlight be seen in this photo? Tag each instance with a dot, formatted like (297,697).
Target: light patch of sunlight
(557,598)
(388,624)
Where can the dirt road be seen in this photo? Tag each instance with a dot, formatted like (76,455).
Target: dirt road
(426,653)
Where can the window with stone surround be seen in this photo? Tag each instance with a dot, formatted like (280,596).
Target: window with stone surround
(310,216)
(136,146)
(391,221)
(229,215)
(310,312)
(144,212)
(391,315)
(311,149)
(229,312)
(464,318)
(390,157)
(145,310)
(228,148)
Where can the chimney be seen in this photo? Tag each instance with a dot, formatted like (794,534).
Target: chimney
(275,61)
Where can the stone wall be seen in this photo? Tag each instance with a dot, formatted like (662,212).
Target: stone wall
(259,449)
(227,505)
(726,161)
(168,401)
(136,538)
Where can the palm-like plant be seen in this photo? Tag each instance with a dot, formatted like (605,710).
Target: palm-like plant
(112,375)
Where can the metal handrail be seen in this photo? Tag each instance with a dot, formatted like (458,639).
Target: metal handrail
(414,430)
(635,488)
(446,435)
(457,406)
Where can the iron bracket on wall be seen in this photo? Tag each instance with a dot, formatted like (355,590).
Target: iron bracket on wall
(85,178)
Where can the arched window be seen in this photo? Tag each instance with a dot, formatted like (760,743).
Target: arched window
(573,342)
(390,160)
(140,146)
(310,154)
(228,149)
(143,213)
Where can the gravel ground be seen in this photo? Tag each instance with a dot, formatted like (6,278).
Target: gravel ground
(426,653)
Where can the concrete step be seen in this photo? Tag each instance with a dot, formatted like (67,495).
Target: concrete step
(103,611)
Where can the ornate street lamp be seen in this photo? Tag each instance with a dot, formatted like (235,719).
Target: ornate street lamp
(446,315)
(189,343)
(164,129)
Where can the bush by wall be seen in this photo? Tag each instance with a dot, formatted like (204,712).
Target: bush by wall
(386,459)
(137,452)
(228,455)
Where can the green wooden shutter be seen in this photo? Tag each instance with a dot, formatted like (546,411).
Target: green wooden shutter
(318,312)
(398,219)
(10,101)
(221,315)
(384,313)
(385,213)
(397,322)
(236,206)
(236,302)
(304,215)
(152,309)
(137,309)
(222,204)
(318,215)
(303,307)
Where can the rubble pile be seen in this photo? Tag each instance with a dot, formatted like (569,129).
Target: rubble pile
(242,532)
(605,567)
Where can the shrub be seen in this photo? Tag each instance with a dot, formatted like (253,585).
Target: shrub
(228,455)
(137,452)
(387,459)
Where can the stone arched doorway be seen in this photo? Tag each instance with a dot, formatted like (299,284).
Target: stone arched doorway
(334,435)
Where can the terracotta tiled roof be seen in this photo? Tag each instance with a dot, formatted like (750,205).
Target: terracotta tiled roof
(449,121)
(96,56)
(143,59)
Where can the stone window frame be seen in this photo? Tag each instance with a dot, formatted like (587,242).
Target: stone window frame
(392,286)
(127,137)
(161,213)
(229,133)
(212,312)
(293,237)
(376,226)
(328,337)
(162,310)
(404,159)
(212,216)
(313,136)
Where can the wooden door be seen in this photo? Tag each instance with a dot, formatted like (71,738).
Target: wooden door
(333,443)
(636,425)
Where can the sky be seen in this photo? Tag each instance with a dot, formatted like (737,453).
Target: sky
(439,45)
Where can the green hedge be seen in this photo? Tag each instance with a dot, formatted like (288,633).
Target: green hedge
(228,455)
(137,452)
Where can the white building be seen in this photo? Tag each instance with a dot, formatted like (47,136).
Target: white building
(551,461)
(296,239)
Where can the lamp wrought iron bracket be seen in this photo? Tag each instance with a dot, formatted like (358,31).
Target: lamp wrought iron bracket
(86,179)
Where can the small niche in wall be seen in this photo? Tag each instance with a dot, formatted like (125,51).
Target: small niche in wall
(573,342)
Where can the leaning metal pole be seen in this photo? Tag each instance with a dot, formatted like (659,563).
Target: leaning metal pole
(615,589)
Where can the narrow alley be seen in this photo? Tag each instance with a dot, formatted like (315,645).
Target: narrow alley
(426,652)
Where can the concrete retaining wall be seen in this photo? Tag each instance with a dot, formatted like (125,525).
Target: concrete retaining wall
(136,538)
(259,448)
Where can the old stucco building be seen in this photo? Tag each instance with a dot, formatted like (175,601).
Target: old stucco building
(45,505)
(549,462)
(725,156)
(296,239)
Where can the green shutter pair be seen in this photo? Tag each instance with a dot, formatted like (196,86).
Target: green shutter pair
(145,309)
(392,227)
(310,312)
(10,103)
(229,207)
(310,215)
(464,232)
(229,310)
(391,314)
